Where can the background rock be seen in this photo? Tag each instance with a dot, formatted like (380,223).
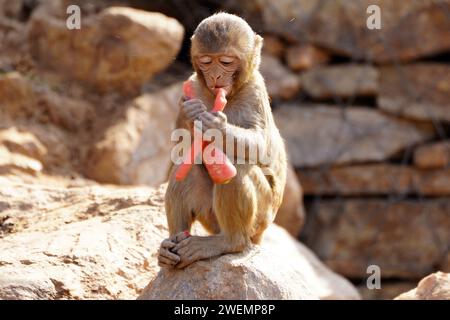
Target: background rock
(305,57)
(280,81)
(423,97)
(405,238)
(280,269)
(291,214)
(375,179)
(433,287)
(410,29)
(346,80)
(432,156)
(117,50)
(319,135)
(136,149)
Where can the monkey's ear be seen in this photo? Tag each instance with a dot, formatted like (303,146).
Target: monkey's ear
(258,43)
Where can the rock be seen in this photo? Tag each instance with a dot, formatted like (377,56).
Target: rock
(388,291)
(16,94)
(281,268)
(273,46)
(319,134)
(374,179)
(68,113)
(280,82)
(419,91)
(78,243)
(432,156)
(346,80)
(10,9)
(118,49)
(291,214)
(100,242)
(22,142)
(305,57)
(436,286)
(10,161)
(409,29)
(407,239)
(136,149)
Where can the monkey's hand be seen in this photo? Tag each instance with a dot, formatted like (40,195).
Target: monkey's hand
(191,109)
(213,120)
(166,256)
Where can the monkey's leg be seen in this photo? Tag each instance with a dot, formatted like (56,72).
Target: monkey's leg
(236,206)
(183,200)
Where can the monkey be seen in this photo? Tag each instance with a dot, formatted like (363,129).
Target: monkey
(225,53)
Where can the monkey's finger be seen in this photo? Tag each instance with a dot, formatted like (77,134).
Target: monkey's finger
(194,114)
(169,255)
(194,102)
(164,262)
(180,236)
(187,260)
(181,244)
(168,243)
(220,115)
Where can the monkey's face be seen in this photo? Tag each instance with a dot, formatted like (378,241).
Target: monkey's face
(218,70)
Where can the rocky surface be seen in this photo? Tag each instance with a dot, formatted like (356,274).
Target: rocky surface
(321,135)
(305,57)
(78,242)
(273,46)
(410,29)
(405,238)
(346,80)
(281,268)
(100,242)
(118,49)
(280,81)
(423,97)
(432,156)
(375,179)
(436,286)
(136,148)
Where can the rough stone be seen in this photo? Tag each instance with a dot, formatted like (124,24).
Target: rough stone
(322,135)
(419,91)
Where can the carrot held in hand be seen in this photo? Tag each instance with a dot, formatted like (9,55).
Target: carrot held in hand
(220,172)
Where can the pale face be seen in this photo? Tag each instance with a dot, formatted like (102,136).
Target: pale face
(218,70)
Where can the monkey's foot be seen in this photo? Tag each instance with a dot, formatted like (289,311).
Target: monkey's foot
(166,256)
(196,248)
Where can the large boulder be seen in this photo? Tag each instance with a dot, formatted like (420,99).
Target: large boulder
(85,241)
(409,29)
(118,49)
(327,135)
(436,286)
(136,148)
(281,268)
(419,91)
(407,239)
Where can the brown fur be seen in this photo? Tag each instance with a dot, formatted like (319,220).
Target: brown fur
(236,213)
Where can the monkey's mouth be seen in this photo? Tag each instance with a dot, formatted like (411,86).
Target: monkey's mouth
(216,89)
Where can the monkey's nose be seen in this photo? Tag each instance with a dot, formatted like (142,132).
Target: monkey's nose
(216,77)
